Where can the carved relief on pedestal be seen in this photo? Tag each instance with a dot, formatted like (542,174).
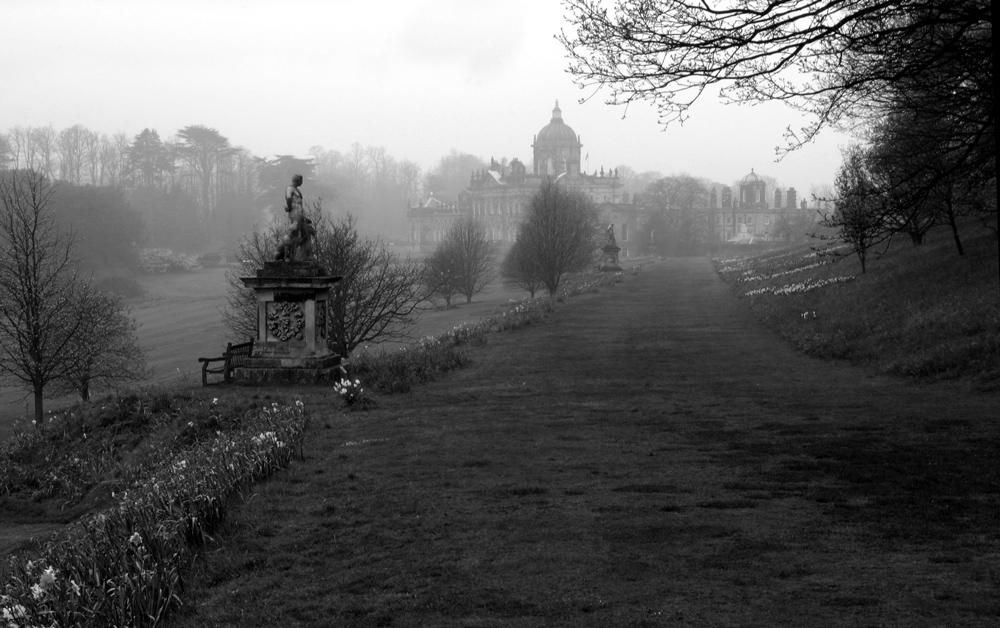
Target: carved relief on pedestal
(321,319)
(286,320)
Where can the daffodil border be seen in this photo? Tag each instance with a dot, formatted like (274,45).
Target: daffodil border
(125,566)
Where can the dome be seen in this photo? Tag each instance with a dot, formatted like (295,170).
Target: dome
(556,131)
(752,179)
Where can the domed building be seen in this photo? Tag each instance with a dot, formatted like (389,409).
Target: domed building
(747,216)
(499,196)
(556,149)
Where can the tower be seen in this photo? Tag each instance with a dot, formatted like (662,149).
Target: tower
(556,149)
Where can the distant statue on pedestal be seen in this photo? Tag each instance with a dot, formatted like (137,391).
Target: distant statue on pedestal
(297,243)
(610,249)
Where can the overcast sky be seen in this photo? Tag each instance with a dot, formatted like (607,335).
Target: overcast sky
(419,77)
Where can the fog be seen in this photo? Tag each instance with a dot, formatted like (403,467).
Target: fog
(416,79)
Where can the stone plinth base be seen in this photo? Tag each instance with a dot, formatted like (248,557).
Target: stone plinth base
(291,370)
(610,262)
(292,319)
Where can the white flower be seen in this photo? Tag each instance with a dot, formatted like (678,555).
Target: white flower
(135,539)
(37,592)
(48,578)
(15,612)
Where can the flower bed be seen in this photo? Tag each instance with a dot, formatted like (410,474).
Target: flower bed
(125,566)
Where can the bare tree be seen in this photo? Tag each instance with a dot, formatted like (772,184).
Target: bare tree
(451,175)
(109,351)
(121,147)
(6,155)
(378,298)
(409,179)
(441,274)
(23,146)
(46,140)
(677,222)
(558,234)
(463,263)
(834,60)
(92,156)
(47,308)
(71,153)
(859,215)
(108,156)
(519,268)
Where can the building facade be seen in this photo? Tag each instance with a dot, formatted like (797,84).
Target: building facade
(499,196)
(749,216)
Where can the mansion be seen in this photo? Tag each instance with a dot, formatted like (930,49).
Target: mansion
(749,216)
(499,196)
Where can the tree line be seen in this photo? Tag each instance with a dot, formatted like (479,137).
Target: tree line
(197,189)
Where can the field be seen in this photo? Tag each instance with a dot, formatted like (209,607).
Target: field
(650,455)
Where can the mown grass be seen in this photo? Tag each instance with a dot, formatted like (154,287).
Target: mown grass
(145,480)
(650,458)
(398,371)
(921,312)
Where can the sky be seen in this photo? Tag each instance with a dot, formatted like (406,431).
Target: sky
(420,78)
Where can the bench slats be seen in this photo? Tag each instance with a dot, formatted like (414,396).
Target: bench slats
(235,356)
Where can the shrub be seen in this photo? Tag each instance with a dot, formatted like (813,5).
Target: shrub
(156,261)
(125,287)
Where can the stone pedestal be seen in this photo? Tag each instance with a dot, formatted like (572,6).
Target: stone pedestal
(293,299)
(610,261)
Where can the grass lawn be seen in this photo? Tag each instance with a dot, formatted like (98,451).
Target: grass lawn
(180,320)
(652,456)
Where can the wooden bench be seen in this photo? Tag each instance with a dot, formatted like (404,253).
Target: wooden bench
(236,355)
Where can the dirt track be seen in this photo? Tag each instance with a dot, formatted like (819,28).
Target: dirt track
(651,456)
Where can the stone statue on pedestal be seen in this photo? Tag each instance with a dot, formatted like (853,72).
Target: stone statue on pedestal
(297,243)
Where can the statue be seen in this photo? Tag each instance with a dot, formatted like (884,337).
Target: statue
(611,235)
(297,243)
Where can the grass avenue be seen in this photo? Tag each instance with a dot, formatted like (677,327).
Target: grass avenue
(650,456)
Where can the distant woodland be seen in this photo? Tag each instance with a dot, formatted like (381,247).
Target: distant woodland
(196,191)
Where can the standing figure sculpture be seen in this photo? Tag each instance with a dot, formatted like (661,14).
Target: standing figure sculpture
(297,243)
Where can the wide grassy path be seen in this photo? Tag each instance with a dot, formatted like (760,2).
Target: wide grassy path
(650,457)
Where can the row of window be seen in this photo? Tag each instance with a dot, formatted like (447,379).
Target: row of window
(747,219)
(478,209)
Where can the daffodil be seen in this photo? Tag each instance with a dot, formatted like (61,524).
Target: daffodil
(48,578)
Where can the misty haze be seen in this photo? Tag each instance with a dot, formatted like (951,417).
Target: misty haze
(576,313)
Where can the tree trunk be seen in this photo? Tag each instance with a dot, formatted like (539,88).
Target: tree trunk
(954,229)
(39,417)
